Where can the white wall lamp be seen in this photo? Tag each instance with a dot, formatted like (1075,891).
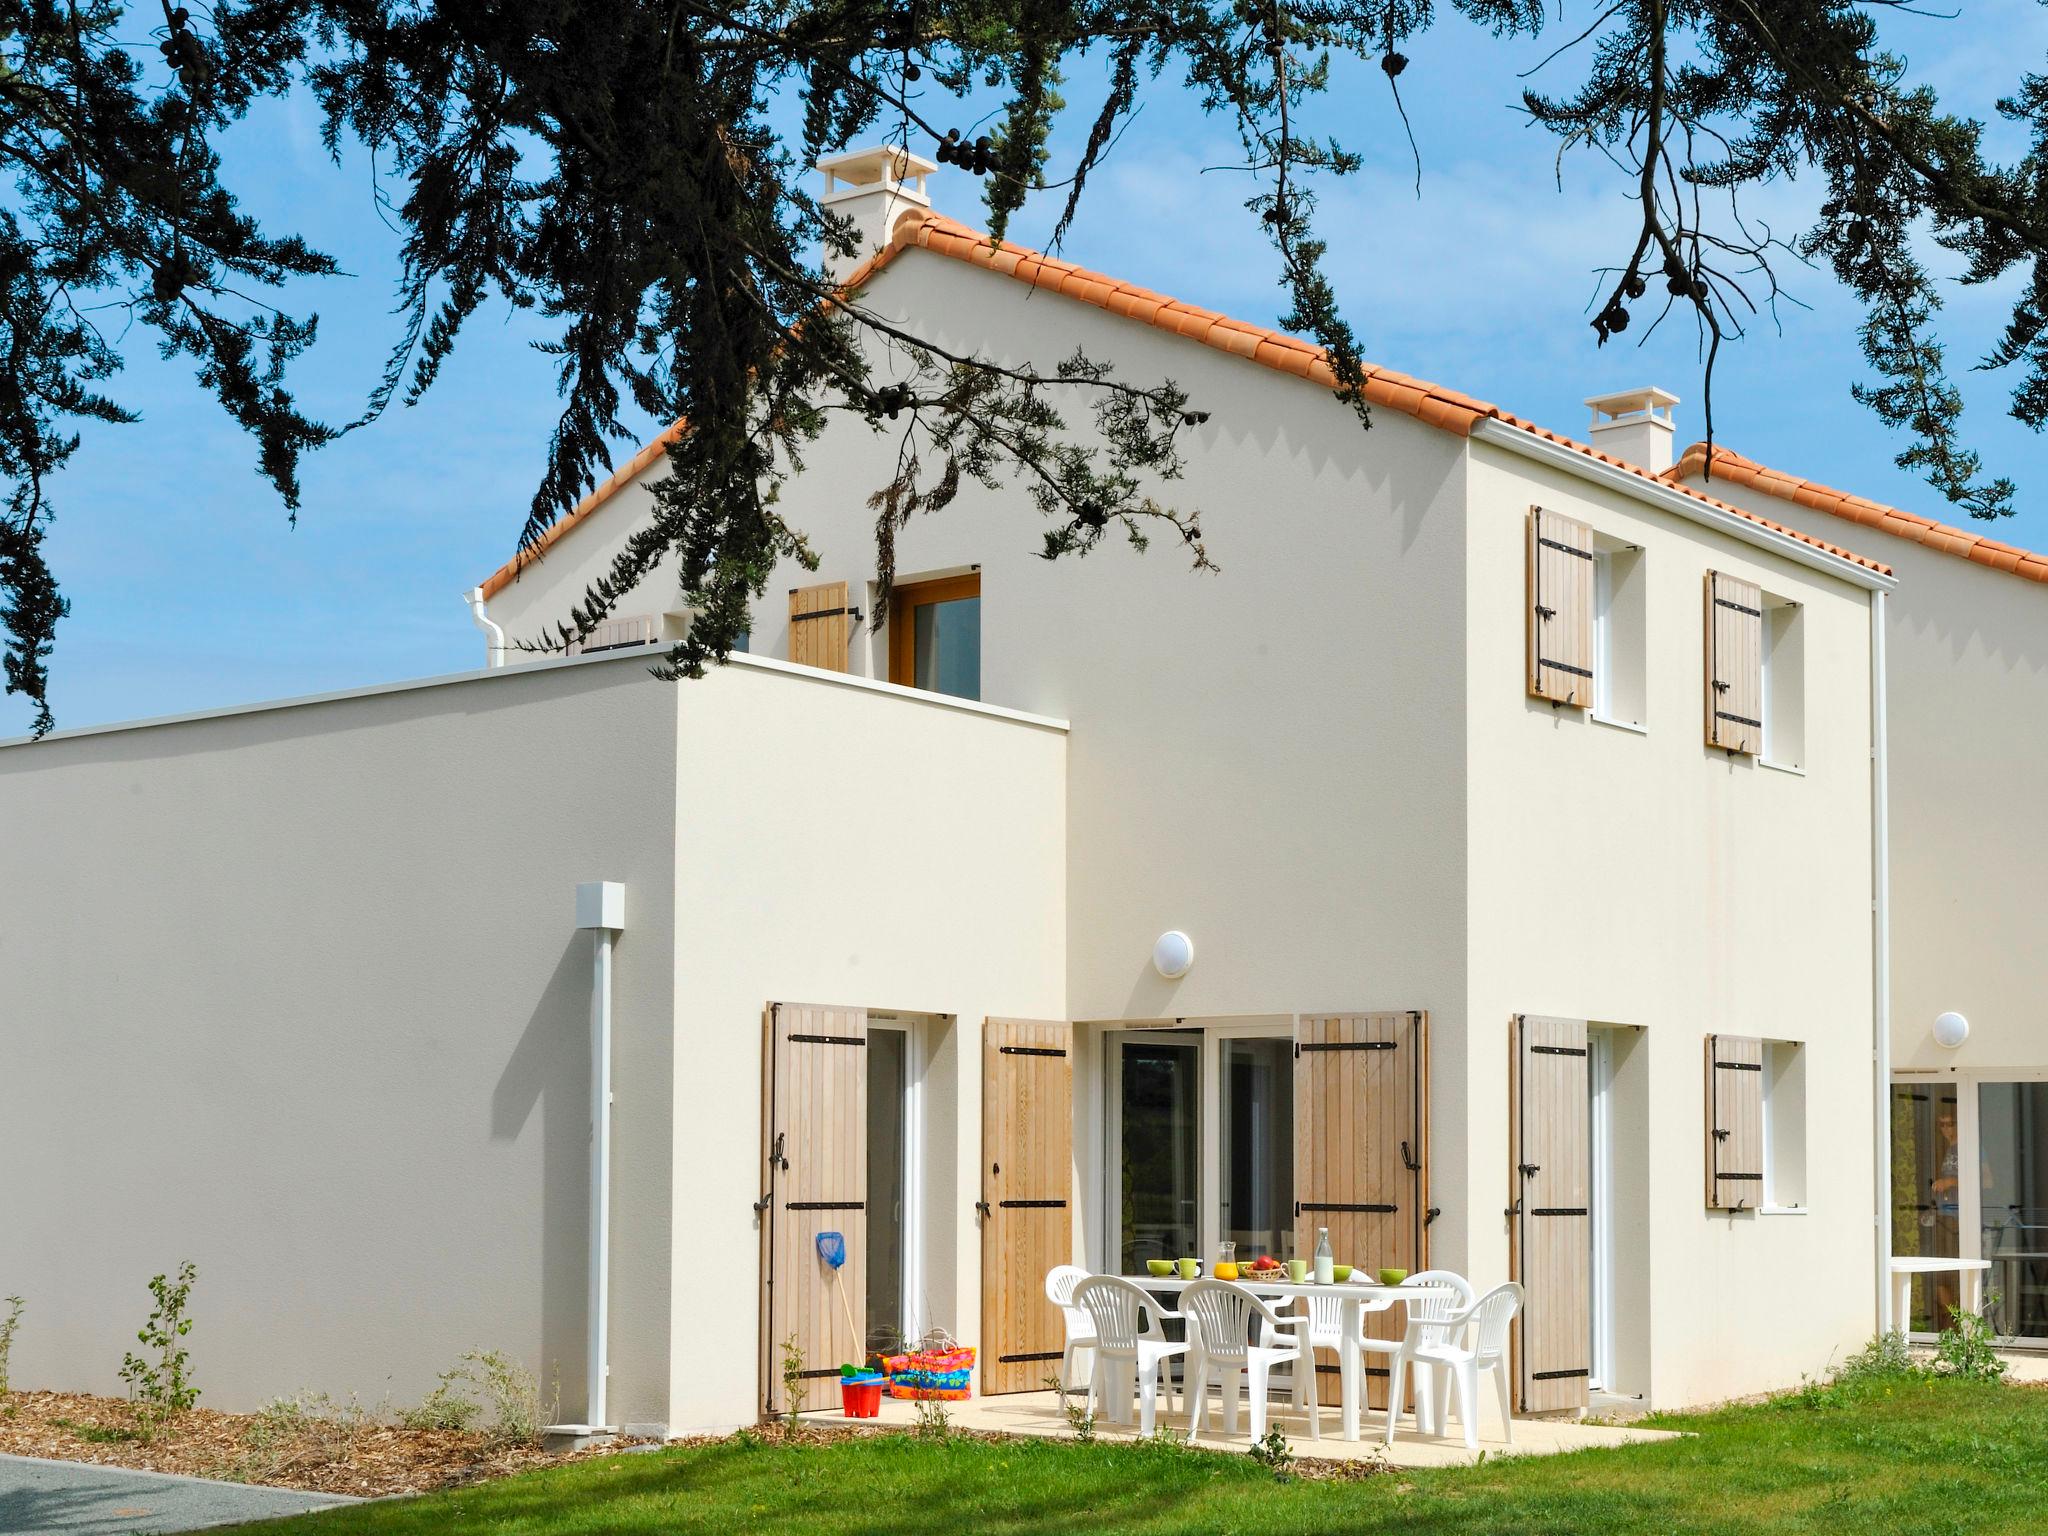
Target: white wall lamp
(600,907)
(1172,953)
(1951,1030)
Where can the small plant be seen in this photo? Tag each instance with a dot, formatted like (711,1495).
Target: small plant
(159,1383)
(792,1380)
(308,1429)
(7,1326)
(484,1379)
(1080,1419)
(1273,1452)
(1963,1349)
(1884,1358)
(933,1421)
(98,1434)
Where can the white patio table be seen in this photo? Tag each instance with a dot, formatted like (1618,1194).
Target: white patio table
(1356,1299)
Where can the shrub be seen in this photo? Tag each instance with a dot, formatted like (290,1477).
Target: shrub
(7,1327)
(792,1378)
(1963,1349)
(1886,1357)
(310,1428)
(158,1383)
(1272,1451)
(483,1380)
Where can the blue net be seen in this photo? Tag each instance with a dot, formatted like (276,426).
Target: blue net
(832,1248)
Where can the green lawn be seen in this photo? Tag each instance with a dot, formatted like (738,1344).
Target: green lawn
(1920,1456)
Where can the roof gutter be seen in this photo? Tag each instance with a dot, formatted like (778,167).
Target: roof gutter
(1641,488)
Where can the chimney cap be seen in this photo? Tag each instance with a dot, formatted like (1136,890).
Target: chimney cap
(864,170)
(1646,401)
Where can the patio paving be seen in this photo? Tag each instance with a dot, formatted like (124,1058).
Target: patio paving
(1038,1414)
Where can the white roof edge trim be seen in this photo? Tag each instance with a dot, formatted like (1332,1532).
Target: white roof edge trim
(487,674)
(1658,494)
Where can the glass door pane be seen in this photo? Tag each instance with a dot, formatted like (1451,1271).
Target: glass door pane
(1258,1146)
(1926,1193)
(1159,1091)
(888,1080)
(2012,1133)
(948,644)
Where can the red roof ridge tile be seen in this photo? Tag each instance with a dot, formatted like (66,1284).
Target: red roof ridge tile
(1949,540)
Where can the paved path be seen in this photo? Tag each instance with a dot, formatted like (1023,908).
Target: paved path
(77,1498)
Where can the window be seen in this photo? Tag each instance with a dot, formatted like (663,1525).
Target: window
(935,635)
(1784,1125)
(1620,632)
(1784,690)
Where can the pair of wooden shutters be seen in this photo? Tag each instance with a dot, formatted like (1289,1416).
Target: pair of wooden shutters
(814,1118)
(1361,1136)
(1735,1122)
(1550,1211)
(820,626)
(1560,617)
(1735,664)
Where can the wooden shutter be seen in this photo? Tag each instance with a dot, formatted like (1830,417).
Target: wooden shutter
(613,634)
(1560,578)
(1550,1220)
(1735,664)
(1027,1189)
(1735,1122)
(820,626)
(816,1157)
(1361,1139)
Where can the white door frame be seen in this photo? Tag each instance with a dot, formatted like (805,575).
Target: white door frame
(1600,1122)
(916,1050)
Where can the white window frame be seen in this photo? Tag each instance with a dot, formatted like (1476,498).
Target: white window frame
(1603,635)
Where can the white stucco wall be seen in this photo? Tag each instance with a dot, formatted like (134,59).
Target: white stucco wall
(1255,751)
(1645,879)
(1968,665)
(847,844)
(296,993)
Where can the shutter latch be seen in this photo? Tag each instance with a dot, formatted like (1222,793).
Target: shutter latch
(1408,1159)
(1720,1135)
(1545,613)
(1530,1170)
(982,1207)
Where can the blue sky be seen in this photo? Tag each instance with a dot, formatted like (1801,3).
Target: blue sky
(189,590)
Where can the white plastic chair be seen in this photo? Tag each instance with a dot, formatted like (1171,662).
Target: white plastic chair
(1060,1281)
(1127,1334)
(1448,1293)
(1219,1317)
(1438,1342)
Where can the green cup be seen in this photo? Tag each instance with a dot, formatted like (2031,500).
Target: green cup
(1297,1270)
(1188,1268)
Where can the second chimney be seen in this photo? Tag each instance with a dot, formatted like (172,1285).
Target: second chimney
(1635,425)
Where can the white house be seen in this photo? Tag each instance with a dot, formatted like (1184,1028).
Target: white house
(1517,799)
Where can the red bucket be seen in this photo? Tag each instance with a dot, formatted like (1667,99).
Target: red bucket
(861,1399)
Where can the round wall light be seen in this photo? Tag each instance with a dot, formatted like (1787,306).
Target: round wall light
(1951,1030)
(1172,953)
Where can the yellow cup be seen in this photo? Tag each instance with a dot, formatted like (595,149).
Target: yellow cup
(1297,1270)
(1187,1268)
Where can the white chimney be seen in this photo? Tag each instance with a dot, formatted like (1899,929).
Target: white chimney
(874,188)
(1635,425)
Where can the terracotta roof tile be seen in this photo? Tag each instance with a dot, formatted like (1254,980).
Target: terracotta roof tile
(1447,409)
(1733,467)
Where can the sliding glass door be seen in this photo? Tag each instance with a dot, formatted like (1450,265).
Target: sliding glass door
(2012,1172)
(1200,1142)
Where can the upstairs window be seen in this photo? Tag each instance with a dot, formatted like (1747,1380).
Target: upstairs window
(935,635)
(1784,682)
(1620,633)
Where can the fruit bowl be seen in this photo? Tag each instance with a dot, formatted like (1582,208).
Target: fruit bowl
(1393,1276)
(1159,1269)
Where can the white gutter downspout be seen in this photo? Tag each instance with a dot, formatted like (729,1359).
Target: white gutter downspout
(1881,960)
(494,653)
(600,907)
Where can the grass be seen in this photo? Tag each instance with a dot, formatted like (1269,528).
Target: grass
(1853,1459)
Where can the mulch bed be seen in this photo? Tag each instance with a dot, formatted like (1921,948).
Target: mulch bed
(362,1457)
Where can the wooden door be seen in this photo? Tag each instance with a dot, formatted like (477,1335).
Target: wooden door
(1361,1138)
(815,1180)
(1550,1215)
(1027,1190)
